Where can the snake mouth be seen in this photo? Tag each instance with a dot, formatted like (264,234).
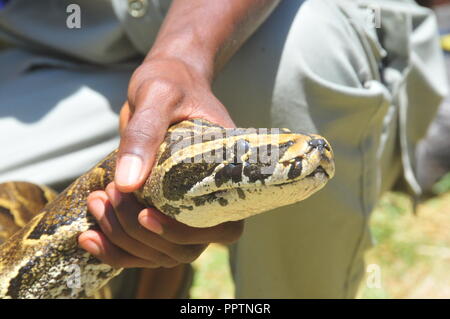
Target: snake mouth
(319,172)
(325,167)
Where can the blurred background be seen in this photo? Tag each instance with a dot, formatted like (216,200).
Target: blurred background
(412,252)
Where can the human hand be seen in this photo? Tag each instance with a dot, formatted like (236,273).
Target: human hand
(162,91)
(132,236)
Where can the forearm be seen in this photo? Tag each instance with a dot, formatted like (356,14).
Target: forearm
(206,33)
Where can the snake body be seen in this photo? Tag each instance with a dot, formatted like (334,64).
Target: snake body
(203,175)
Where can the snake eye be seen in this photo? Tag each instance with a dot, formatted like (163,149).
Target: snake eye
(229,171)
(286,145)
(242,146)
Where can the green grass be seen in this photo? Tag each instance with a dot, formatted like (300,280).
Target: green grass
(212,278)
(443,185)
(412,252)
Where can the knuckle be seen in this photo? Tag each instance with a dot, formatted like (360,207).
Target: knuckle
(142,131)
(137,133)
(157,87)
(160,86)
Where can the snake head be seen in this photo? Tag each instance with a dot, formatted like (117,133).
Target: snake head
(211,175)
(307,156)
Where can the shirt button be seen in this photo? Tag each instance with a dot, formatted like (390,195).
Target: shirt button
(137,8)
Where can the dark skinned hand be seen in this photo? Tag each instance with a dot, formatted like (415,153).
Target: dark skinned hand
(161,92)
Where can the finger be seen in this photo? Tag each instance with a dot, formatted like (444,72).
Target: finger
(138,146)
(96,195)
(127,209)
(111,228)
(98,245)
(179,233)
(155,108)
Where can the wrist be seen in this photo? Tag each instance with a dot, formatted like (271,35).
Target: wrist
(187,48)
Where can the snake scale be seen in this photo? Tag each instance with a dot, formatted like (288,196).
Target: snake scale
(204,175)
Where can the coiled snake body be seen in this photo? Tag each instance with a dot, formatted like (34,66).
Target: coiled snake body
(204,175)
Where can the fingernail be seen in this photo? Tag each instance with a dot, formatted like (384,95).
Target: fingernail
(128,170)
(92,247)
(151,224)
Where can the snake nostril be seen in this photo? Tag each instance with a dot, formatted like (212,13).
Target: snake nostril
(319,143)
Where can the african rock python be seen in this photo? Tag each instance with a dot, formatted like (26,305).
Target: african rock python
(204,175)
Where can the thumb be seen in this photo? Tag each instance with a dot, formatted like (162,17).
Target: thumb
(140,140)
(124,117)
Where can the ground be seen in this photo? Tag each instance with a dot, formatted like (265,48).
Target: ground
(410,259)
